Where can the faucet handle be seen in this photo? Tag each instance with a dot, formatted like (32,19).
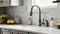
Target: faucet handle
(43,21)
(47,23)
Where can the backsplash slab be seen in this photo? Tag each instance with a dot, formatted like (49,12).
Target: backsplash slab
(22,12)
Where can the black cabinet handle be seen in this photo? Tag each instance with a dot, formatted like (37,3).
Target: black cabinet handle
(1,1)
(11,32)
(56,1)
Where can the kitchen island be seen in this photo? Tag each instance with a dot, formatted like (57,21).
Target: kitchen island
(30,28)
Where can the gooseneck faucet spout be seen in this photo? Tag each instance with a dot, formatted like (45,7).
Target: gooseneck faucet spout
(39,13)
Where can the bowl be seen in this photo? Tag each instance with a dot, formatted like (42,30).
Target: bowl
(58,25)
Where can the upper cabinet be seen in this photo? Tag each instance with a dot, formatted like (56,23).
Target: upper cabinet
(44,3)
(11,3)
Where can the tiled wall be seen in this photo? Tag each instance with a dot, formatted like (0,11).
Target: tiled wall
(2,10)
(22,12)
(46,13)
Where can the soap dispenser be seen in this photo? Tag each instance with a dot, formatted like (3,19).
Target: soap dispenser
(51,22)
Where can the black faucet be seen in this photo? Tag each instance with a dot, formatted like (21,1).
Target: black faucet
(39,13)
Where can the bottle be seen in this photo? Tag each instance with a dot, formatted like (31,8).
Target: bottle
(30,21)
(51,22)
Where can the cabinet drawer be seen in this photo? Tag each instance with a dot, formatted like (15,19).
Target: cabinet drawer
(5,31)
(5,3)
(18,32)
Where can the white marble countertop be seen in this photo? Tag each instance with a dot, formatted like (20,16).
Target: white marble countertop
(29,28)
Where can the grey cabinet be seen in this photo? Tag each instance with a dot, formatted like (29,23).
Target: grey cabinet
(10,3)
(7,31)
(18,32)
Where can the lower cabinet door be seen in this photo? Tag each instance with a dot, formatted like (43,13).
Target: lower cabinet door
(5,31)
(35,33)
(18,32)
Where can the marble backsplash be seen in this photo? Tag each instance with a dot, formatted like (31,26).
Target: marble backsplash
(46,13)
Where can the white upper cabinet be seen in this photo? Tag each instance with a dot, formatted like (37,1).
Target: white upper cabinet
(44,3)
(11,3)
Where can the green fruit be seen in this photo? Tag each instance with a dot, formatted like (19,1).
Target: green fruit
(0,16)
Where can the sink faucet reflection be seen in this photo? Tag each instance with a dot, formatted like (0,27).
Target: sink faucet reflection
(39,13)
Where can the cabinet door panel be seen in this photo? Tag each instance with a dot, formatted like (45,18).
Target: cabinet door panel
(5,2)
(5,31)
(18,32)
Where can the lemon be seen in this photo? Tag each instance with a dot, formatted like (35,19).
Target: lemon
(10,21)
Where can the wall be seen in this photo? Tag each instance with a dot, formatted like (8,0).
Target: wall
(24,14)
(20,11)
(24,11)
(46,13)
